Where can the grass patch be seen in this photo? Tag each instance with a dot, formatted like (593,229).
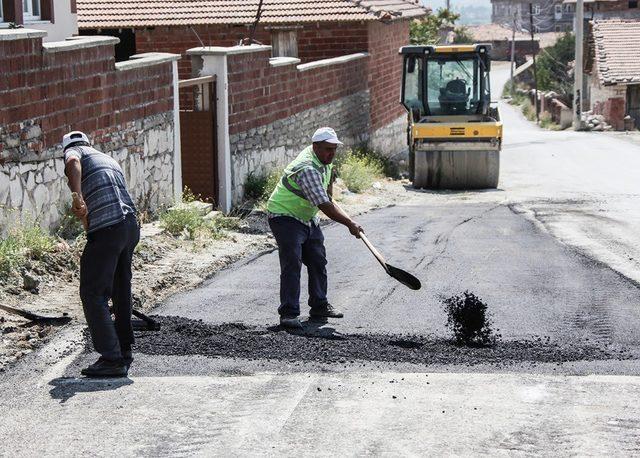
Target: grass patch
(24,241)
(69,227)
(359,169)
(187,220)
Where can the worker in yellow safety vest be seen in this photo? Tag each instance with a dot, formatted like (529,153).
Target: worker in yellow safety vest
(305,188)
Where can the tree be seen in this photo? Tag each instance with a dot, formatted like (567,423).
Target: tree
(427,31)
(555,72)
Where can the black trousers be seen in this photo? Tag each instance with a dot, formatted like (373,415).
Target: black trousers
(299,244)
(105,273)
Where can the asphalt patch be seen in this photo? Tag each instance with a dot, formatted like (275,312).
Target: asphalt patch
(320,343)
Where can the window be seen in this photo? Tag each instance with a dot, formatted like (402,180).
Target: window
(536,8)
(31,9)
(284,43)
(633,3)
(558,9)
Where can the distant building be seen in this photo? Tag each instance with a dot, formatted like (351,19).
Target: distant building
(558,15)
(547,14)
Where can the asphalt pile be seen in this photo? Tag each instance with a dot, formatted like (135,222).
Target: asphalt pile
(469,321)
(319,343)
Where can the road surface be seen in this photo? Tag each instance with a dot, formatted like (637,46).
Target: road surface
(554,254)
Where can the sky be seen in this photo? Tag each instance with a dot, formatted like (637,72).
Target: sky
(473,11)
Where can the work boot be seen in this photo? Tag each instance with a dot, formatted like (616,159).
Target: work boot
(325,311)
(127,358)
(105,368)
(291,322)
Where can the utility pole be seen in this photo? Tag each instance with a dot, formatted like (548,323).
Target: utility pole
(448,5)
(513,55)
(535,71)
(578,75)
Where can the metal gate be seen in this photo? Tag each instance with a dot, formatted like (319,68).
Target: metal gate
(633,103)
(198,136)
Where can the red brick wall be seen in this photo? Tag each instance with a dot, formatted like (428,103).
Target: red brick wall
(385,77)
(315,41)
(323,41)
(74,89)
(260,94)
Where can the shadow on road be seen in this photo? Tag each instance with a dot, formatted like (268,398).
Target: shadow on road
(64,388)
(447,192)
(312,328)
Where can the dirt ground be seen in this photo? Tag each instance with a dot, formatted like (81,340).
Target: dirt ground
(163,265)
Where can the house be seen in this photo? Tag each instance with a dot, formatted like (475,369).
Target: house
(613,71)
(296,28)
(58,18)
(547,14)
(500,38)
(313,63)
(604,9)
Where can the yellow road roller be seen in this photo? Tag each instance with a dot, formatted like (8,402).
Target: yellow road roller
(454,132)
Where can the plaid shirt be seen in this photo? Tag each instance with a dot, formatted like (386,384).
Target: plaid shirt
(310,182)
(103,187)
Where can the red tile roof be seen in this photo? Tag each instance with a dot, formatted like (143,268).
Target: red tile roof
(147,13)
(617,50)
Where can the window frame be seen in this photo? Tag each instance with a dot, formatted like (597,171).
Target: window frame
(28,15)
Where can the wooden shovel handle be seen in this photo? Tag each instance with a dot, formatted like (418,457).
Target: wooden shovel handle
(373,250)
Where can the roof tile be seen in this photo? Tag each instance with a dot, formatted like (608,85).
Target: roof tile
(146,13)
(617,50)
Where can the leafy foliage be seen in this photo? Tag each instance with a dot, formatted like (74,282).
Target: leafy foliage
(24,241)
(554,70)
(359,169)
(426,31)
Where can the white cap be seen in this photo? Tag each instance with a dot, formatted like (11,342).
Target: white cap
(326,134)
(72,137)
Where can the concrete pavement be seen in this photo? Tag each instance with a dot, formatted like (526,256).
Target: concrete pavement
(549,252)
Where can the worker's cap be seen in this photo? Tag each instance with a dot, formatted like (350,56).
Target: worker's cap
(72,137)
(326,134)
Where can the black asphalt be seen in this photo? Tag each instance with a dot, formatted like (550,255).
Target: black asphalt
(548,302)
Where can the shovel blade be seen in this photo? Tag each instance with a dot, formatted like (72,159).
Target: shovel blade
(404,277)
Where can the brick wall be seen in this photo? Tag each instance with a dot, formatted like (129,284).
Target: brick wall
(260,94)
(49,90)
(315,41)
(385,76)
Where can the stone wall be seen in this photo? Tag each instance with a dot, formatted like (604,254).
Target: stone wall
(272,146)
(391,140)
(608,101)
(37,190)
(127,110)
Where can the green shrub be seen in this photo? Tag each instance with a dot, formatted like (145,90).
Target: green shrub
(187,219)
(260,186)
(70,226)
(359,171)
(24,241)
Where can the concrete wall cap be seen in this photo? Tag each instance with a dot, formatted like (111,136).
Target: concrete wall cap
(73,43)
(147,59)
(332,61)
(21,34)
(227,50)
(281,61)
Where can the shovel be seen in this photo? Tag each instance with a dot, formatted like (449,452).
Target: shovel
(35,317)
(403,277)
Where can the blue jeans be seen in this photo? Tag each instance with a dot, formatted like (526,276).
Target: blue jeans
(299,244)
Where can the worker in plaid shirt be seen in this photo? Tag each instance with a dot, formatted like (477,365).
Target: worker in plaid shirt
(293,206)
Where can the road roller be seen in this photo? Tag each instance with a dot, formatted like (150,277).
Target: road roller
(454,132)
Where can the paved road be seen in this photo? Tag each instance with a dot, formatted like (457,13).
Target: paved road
(553,252)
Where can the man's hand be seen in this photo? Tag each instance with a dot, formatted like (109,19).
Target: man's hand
(355,229)
(80,211)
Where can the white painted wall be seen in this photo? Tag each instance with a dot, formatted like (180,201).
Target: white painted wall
(65,25)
